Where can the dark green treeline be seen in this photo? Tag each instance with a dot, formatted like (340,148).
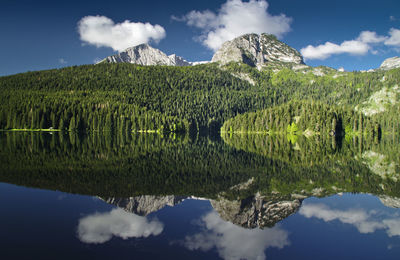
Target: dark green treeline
(166,98)
(80,112)
(349,89)
(156,96)
(298,117)
(133,165)
(355,165)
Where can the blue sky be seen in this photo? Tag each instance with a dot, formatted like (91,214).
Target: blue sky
(38,35)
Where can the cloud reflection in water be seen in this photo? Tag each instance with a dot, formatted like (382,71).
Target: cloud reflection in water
(100,227)
(364,221)
(234,242)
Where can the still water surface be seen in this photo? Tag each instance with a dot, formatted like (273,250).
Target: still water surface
(179,197)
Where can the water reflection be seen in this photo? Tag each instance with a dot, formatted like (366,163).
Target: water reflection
(381,165)
(145,204)
(252,185)
(233,242)
(365,221)
(237,167)
(388,201)
(256,211)
(253,212)
(101,227)
(234,229)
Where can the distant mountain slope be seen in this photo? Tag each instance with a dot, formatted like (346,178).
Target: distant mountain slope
(144,54)
(390,63)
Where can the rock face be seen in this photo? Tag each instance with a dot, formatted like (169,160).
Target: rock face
(252,49)
(253,212)
(256,50)
(144,54)
(145,204)
(178,61)
(256,212)
(391,202)
(390,63)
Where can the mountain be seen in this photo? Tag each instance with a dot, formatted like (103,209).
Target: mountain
(390,63)
(178,61)
(257,211)
(389,201)
(253,212)
(144,54)
(252,49)
(257,50)
(145,204)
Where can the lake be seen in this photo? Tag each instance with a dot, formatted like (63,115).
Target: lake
(151,196)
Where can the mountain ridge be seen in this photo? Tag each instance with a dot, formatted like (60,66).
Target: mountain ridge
(252,49)
(256,50)
(144,54)
(390,63)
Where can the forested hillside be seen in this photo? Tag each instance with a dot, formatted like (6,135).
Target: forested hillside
(201,96)
(135,164)
(375,95)
(304,117)
(126,97)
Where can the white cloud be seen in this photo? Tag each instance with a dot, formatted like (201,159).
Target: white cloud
(62,61)
(392,18)
(101,31)
(235,18)
(365,222)
(370,37)
(204,20)
(394,39)
(234,242)
(362,45)
(101,227)
(324,51)
(393,226)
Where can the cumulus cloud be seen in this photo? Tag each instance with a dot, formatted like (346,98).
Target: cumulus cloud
(235,18)
(393,226)
(394,39)
(324,51)
(362,45)
(101,227)
(365,222)
(101,31)
(234,242)
(370,37)
(206,20)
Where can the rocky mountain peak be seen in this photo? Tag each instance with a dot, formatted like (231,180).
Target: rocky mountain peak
(391,202)
(256,50)
(178,61)
(252,49)
(253,212)
(257,211)
(144,54)
(390,63)
(145,204)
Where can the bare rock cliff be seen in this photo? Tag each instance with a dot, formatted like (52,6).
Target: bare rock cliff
(257,50)
(390,63)
(144,54)
(145,204)
(257,211)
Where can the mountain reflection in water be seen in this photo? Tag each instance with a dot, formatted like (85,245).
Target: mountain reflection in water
(254,186)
